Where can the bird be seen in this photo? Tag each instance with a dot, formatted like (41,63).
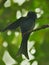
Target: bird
(26,24)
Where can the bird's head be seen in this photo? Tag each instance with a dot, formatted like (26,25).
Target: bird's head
(32,15)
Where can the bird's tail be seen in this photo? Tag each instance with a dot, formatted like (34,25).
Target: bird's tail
(3,30)
(23,50)
(23,47)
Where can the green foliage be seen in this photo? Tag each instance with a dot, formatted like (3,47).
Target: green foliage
(2,3)
(41,38)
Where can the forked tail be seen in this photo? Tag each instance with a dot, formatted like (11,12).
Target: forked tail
(23,50)
(23,47)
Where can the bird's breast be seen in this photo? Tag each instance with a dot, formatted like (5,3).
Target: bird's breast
(27,25)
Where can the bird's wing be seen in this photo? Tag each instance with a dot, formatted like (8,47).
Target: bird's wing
(13,25)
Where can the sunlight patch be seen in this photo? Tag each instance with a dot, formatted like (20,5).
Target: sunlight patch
(20,2)
(18,14)
(30,47)
(25,62)
(39,12)
(23,56)
(30,44)
(7,3)
(24,12)
(16,34)
(31,57)
(38,15)
(8,59)
(33,51)
(9,33)
(35,63)
(36,25)
(5,44)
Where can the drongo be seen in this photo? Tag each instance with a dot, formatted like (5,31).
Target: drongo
(25,23)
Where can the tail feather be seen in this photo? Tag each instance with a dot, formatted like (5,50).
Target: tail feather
(23,50)
(23,47)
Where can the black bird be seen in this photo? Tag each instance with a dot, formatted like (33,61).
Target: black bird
(26,23)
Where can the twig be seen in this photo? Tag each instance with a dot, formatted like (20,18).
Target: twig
(37,29)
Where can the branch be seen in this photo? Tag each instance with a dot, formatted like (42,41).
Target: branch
(42,27)
(37,29)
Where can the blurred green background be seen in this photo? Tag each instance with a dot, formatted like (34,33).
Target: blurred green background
(38,42)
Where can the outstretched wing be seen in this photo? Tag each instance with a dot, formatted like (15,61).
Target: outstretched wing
(13,25)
